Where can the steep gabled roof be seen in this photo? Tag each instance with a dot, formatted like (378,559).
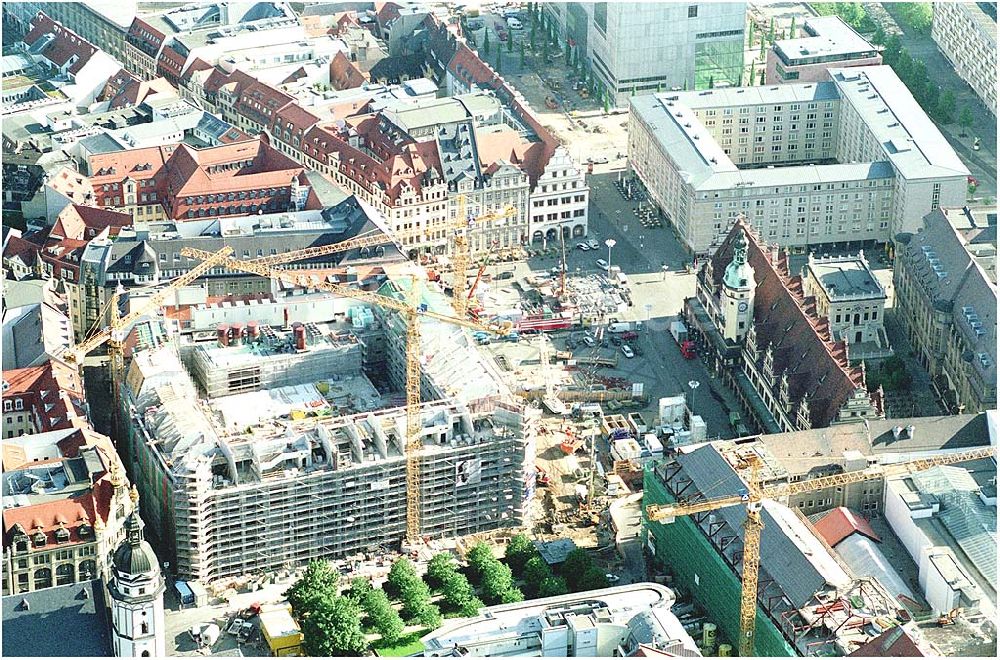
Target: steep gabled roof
(803,348)
(837,524)
(85,222)
(345,74)
(62,47)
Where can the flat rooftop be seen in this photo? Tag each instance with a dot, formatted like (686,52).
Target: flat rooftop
(845,277)
(343,396)
(830,39)
(240,355)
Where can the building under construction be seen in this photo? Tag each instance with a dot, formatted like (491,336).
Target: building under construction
(271,471)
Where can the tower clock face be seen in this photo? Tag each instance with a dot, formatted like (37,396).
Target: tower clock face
(742,307)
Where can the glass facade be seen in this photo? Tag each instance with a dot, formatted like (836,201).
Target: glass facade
(718,62)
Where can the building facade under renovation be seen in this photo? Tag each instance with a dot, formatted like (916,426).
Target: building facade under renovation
(268,473)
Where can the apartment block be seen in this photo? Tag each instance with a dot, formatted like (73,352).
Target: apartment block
(945,295)
(636,48)
(966,34)
(840,164)
(827,43)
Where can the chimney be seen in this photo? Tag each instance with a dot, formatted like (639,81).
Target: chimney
(896,432)
(910,430)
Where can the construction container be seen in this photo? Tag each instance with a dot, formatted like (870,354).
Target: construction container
(671,410)
(699,430)
(708,633)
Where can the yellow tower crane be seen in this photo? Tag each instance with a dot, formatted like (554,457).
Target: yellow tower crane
(412,311)
(753,500)
(460,260)
(114,333)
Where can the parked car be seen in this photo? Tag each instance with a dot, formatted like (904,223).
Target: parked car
(627,351)
(602,264)
(611,578)
(616,340)
(592,243)
(588,340)
(583,246)
(505,275)
(599,160)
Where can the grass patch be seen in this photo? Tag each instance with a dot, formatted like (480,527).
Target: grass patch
(407,645)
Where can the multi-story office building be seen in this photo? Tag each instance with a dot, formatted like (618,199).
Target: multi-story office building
(635,48)
(828,43)
(844,163)
(946,298)
(102,23)
(966,33)
(560,200)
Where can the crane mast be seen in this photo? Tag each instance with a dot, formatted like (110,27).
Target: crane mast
(754,498)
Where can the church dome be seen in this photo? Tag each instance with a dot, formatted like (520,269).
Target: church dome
(739,273)
(134,556)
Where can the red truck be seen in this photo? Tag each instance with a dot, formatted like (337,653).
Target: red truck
(679,332)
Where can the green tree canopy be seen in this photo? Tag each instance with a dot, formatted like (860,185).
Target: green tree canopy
(535,571)
(319,580)
(966,118)
(439,567)
(401,576)
(594,578)
(552,586)
(472,607)
(519,550)
(333,628)
(497,580)
(383,616)
(893,49)
(577,563)
(360,588)
(457,591)
(946,106)
(477,557)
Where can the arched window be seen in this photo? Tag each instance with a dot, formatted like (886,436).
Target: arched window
(145,654)
(43,578)
(145,628)
(65,574)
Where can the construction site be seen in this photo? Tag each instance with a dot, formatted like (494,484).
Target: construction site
(266,446)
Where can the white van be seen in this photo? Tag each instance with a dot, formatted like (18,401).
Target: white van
(622,279)
(514,24)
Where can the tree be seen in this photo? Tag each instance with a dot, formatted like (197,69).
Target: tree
(317,582)
(879,37)
(791,29)
(567,53)
(512,595)
(416,599)
(763,49)
(904,68)
(497,580)
(965,119)
(594,578)
(402,575)
(552,586)
(486,42)
(457,591)
(893,49)
(770,32)
(523,59)
(946,106)
(439,568)
(577,563)
(333,628)
(750,32)
(472,607)
(916,15)
(510,44)
(360,588)
(383,616)
(519,550)
(430,616)
(753,69)
(535,571)
(762,72)
(477,558)
(711,82)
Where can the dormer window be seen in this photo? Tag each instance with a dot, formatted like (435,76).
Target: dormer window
(38,539)
(62,535)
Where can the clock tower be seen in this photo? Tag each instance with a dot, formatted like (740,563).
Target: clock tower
(737,292)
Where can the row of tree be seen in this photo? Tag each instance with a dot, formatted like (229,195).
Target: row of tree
(408,588)
(938,104)
(458,595)
(495,579)
(331,624)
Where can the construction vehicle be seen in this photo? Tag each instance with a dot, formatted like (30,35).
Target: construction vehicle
(680,334)
(753,498)
(949,618)
(482,268)
(412,310)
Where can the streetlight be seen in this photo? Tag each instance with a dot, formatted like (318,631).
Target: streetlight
(665,269)
(693,384)
(610,243)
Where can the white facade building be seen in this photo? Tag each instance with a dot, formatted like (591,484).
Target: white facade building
(635,48)
(561,199)
(967,35)
(852,161)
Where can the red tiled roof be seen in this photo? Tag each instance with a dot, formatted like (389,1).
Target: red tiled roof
(345,74)
(138,92)
(837,524)
(65,45)
(85,222)
(116,84)
(52,392)
(197,64)
(802,345)
(893,643)
(22,249)
(386,11)
(170,63)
